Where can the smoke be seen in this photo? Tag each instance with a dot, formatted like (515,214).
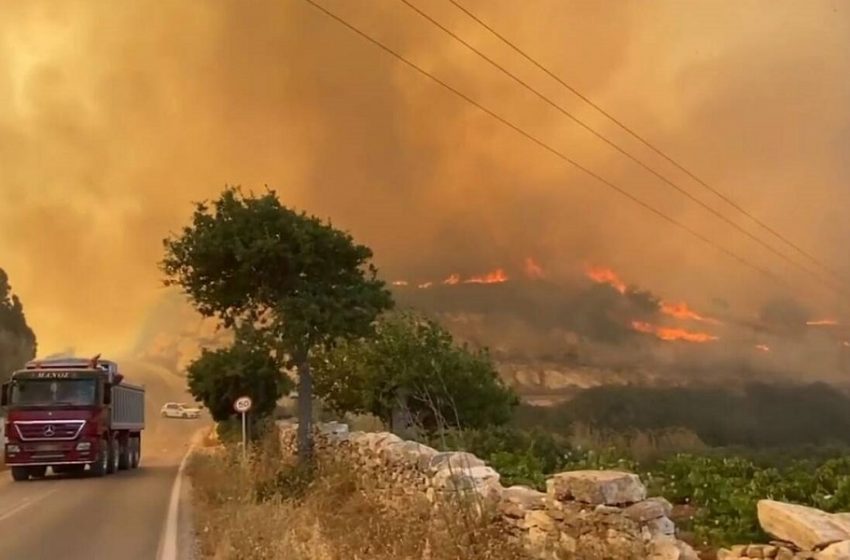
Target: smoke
(115,116)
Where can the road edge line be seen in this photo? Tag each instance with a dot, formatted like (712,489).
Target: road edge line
(168,549)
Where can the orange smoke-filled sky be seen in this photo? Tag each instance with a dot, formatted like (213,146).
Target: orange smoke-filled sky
(115,116)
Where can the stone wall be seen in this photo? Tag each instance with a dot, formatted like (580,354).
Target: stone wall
(583,515)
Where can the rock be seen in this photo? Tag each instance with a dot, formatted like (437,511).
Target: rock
(602,509)
(525,497)
(664,503)
(661,526)
(668,548)
(837,551)
(597,487)
(409,452)
(647,510)
(454,460)
(842,519)
(769,551)
(511,510)
(334,428)
(726,554)
(806,527)
(540,520)
(784,554)
(465,479)
(759,551)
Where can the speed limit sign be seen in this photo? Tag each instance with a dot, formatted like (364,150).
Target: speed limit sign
(242,404)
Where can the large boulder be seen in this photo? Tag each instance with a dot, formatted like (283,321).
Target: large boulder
(597,487)
(808,528)
(457,461)
(465,479)
(837,551)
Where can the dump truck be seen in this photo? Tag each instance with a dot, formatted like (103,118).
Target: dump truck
(72,415)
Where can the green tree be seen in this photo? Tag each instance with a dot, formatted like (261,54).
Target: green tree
(219,377)
(250,261)
(413,366)
(17,339)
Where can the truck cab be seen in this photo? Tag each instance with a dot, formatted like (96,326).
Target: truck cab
(70,415)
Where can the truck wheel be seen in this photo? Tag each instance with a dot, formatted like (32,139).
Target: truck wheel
(114,456)
(37,472)
(125,453)
(134,453)
(138,448)
(101,466)
(20,474)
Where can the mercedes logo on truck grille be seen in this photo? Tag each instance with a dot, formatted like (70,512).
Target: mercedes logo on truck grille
(49,430)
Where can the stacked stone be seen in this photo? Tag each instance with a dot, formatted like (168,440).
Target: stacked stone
(802,533)
(586,514)
(597,513)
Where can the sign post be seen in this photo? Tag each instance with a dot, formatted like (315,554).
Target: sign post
(242,406)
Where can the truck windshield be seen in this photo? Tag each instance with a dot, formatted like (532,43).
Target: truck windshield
(34,392)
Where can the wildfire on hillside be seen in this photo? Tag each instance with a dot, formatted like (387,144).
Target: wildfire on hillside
(763,347)
(682,311)
(823,323)
(672,334)
(602,275)
(495,277)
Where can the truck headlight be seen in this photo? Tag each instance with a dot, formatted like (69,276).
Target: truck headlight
(12,448)
(84,446)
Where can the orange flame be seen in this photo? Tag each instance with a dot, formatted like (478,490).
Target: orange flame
(602,275)
(400,283)
(452,280)
(496,277)
(670,334)
(823,323)
(532,269)
(763,347)
(682,311)
(426,285)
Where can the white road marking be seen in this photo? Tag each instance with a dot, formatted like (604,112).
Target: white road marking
(168,549)
(168,545)
(24,504)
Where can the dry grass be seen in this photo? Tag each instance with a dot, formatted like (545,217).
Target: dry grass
(267,510)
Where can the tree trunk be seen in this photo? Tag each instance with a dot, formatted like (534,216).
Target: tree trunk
(305,411)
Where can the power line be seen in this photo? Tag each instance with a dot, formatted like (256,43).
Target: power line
(547,147)
(725,198)
(684,192)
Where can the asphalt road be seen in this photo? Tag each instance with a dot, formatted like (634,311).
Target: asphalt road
(120,516)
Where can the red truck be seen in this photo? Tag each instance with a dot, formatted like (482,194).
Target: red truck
(68,414)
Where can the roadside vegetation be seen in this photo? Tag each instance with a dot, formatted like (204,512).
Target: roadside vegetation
(17,339)
(271,509)
(304,302)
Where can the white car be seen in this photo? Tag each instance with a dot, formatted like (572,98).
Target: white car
(179,410)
